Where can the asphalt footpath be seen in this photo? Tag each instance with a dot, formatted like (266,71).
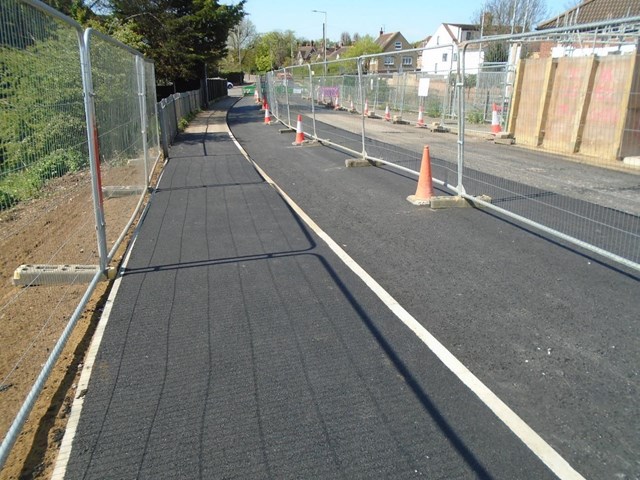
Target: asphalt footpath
(238,344)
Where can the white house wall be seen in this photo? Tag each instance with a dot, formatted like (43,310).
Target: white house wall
(440,44)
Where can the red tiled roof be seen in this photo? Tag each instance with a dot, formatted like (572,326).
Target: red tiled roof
(589,11)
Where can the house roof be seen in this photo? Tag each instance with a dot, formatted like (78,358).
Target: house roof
(306,51)
(337,53)
(465,26)
(589,11)
(384,39)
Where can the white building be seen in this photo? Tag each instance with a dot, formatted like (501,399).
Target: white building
(441,56)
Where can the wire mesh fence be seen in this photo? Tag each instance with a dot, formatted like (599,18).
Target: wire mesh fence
(46,203)
(122,150)
(79,138)
(552,134)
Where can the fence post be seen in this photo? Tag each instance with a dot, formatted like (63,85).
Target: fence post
(313,109)
(362,102)
(164,128)
(142,102)
(286,89)
(461,114)
(94,149)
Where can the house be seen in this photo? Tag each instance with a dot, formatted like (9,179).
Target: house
(421,44)
(590,11)
(306,54)
(441,53)
(336,53)
(391,43)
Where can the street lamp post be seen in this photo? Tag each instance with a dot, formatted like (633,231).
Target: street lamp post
(324,38)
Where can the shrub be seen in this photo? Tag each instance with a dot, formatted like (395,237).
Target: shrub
(7,199)
(433,109)
(475,117)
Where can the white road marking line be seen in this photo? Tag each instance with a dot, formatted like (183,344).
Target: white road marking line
(545,452)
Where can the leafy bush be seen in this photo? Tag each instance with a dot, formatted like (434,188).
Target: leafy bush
(433,109)
(183,124)
(475,116)
(7,199)
(24,184)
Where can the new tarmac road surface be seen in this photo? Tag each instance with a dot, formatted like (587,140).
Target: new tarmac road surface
(323,327)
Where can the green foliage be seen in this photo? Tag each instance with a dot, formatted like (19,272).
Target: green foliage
(496,52)
(475,116)
(27,183)
(181,36)
(43,107)
(42,120)
(364,46)
(274,50)
(433,108)
(183,123)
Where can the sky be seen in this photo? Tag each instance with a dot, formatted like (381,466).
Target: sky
(415,19)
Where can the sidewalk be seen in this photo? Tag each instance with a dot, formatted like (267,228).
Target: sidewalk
(240,346)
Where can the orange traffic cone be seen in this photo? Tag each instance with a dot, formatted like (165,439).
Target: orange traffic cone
(351,107)
(387,114)
(267,116)
(337,107)
(366,108)
(424,192)
(495,122)
(299,132)
(256,97)
(264,103)
(420,122)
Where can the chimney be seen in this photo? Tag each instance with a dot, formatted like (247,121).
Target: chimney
(381,31)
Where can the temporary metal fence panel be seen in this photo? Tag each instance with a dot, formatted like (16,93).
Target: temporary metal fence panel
(118,93)
(77,113)
(338,104)
(566,97)
(569,104)
(153,125)
(46,203)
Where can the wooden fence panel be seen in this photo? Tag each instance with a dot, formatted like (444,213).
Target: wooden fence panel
(530,92)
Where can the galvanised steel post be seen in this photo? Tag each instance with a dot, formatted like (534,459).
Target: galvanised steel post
(461,114)
(94,149)
(286,90)
(142,102)
(362,102)
(313,109)
(375,101)
(404,88)
(164,127)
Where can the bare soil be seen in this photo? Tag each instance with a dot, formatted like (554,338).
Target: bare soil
(32,318)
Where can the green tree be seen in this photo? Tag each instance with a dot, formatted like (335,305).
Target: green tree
(181,36)
(275,50)
(364,46)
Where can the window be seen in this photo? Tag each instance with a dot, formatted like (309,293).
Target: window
(468,35)
(454,57)
(438,40)
(435,69)
(407,61)
(444,57)
(389,61)
(398,45)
